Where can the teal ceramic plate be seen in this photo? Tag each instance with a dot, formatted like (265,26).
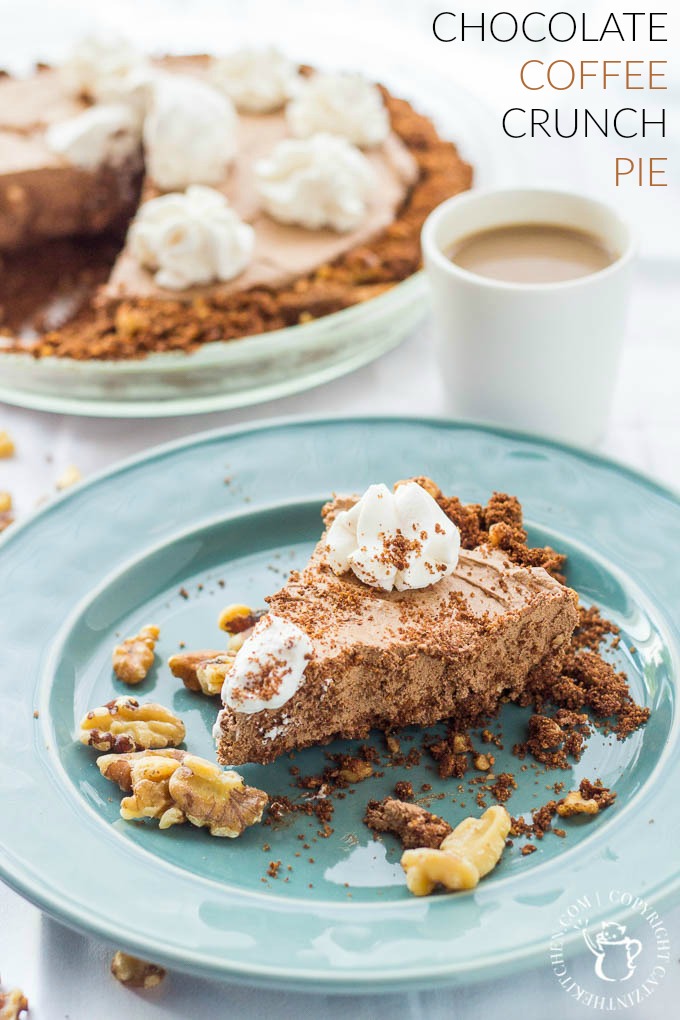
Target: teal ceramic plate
(224,516)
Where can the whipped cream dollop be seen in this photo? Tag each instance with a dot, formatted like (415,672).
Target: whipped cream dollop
(190,238)
(109,70)
(106,133)
(401,539)
(341,104)
(269,667)
(190,133)
(257,81)
(316,182)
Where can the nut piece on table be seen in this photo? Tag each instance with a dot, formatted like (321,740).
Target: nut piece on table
(71,476)
(145,775)
(6,518)
(12,1004)
(136,973)
(124,725)
(6,445)
(208,796)
(471,851)
(185,664)
(133,659)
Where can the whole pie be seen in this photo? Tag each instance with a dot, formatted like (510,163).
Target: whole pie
(151,205)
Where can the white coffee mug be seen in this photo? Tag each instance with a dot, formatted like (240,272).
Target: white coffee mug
(540,356)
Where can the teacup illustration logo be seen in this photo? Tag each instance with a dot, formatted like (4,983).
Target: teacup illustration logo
(623,961)
(615,952)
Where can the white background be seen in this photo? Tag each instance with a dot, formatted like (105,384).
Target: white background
(64,974)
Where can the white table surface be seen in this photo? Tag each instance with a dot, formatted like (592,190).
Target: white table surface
(64,974)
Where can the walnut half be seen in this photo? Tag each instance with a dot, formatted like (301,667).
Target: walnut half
(203,670)
(471,851)
(12,1004)
(220,800)
(133,659)
(238,618)
(145,776)
(124,725)
(135,973)
(175,786)
(184,666)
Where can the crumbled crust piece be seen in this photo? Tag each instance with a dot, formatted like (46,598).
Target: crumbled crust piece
(413,825)
(470,852)
(544,733)
(7,448)
(403,790)
(483,762)
(220,800)
(68,477)
(12,1004)
(424,482)
(451,755)
(145,776)
(124,725)
(589,799)
(184,666)
(135,973)
(133,659)
(5,502)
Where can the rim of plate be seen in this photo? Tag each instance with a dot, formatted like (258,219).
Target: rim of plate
(277,421)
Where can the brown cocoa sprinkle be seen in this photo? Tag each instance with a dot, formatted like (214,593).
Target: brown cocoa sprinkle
(414,826)
(527,849)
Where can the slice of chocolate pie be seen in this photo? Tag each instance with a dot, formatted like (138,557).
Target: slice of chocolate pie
(400,617)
